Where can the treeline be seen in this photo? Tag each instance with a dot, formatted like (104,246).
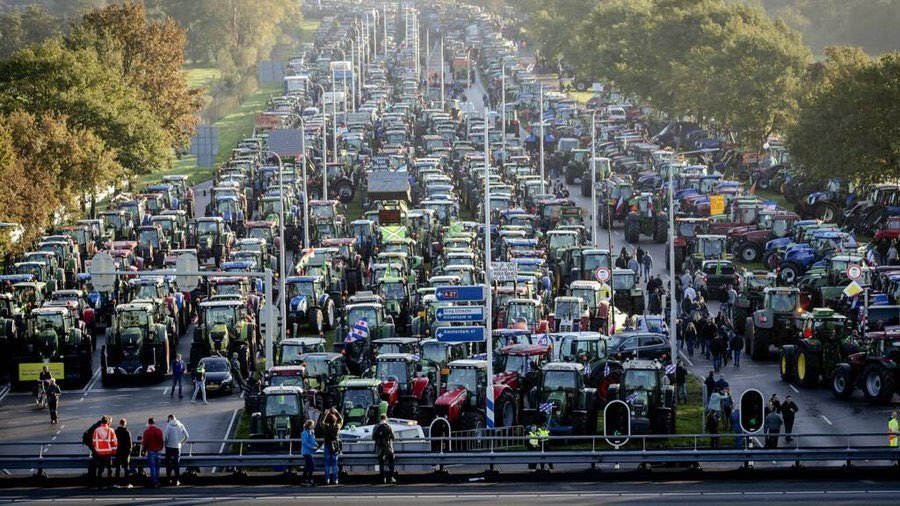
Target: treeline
(80,112)
(732,67)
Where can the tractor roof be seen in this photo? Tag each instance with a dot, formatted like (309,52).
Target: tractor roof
(283,390)
(642,364)
(396,340)
(303,279)
(365,383)
(397,357)
(525,350)
(221,303)
(469,363)
(50,310)
(302,341)
(563,366)
(135,306)
(781,289)
(320,356)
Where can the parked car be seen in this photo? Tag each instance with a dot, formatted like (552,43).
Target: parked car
(640,345)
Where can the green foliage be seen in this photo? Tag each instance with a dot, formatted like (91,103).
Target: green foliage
(51,79)
(848,122)
(24,27)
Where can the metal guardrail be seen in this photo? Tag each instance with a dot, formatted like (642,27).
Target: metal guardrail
(490,451)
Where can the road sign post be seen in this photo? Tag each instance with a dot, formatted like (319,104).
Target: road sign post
(465,293)
(504,271)
(602,274)
(854,272)
(617,423)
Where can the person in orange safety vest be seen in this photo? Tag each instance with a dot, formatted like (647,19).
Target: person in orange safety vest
(105,445)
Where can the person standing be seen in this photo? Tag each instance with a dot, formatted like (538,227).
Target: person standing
(87,439)
(730,302)
(710,384)
(773,427)
(715,348)
(736,427)
(105,446)
(712,427)
(178,368)
(788,410)
(236,371)
(199,383)
(152,443)
(331,426)
(174,436)
(635,267)
(893,430)
(383,436)
(308,450)
(737,345)
(647,263)
(123,454)
(53,394)
(690,337)
(680,382)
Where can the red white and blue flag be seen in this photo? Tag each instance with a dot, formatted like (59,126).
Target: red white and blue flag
(359,332)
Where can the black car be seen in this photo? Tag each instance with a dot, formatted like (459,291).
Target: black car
(642,345)
(218,375)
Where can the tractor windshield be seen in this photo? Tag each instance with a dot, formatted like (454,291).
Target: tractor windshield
(391,370)
(783,302)
(712,248)
(286,381)
(568,310)
(207,227)
(132,319)
(392,290)
(517,363)
(362,313)
(316,367)
(520,312)
(593,261)
(290,353)
(559,380)
(636,379)
(588,295)
(301,288)
(687,229)
(48,322)
(623,280)
(282,405)
(463,378)
(358,398)
(780,227)
(561,241)
(221,315)
(146,291)
(323,211)
(434,352)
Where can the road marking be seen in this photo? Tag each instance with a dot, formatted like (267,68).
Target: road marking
(90,385)
(166,390)
(227,433)
(685,358)
(4,392)
(794,389)
(827,420)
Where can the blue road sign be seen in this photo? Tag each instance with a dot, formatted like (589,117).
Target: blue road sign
(459,293)
(460,334)
(460,314)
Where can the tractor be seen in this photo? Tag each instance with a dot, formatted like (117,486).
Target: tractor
(289,350)
(570,314)
(324,372)
(774,323)
(53,338)
(590,349)
(627,294)
(518,366)
(748,243)
(361,402)
(212,239)
(824,342)
(686,230)
(578,166)
(651,398)
(874,371)
(224,328)
(308,304)
(395,292)
(409,394)
(136,345)
(574,405)
(278,413)
(359,351)
(750,297)
(646,217)
(612,198)
(463,402)
(596,296)
(152,244)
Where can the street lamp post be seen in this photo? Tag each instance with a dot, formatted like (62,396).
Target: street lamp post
(488,324)
(543,181)
(441,64)
(594,231)
(384,22)
(281,302)
(503,110)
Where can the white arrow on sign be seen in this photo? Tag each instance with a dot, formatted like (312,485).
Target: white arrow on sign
(103,262)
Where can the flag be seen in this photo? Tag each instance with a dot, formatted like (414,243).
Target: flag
(670,369)
(606,370)
(359,332)
(544,340)
(631,398)
(620,205)
(587,368)
(546,408)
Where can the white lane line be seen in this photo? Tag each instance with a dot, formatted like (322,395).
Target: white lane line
(227,433)
(685,358)
(794,389)
(827,420)
(4,392)
(165,390)
(90,385)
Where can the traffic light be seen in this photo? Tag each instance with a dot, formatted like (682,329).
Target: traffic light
(752,411)
(617,422)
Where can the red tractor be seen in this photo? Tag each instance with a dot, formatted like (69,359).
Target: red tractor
(408,393)
(518,366)
(463,404)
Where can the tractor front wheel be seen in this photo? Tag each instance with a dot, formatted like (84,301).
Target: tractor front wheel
(807,369)
(878,383)
(787,365)
(632,230)
(749,252)
(506,409)
(472,421)
(407,409)
(842,382)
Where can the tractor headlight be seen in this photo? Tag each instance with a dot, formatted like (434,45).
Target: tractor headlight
(151,368)
(110,370)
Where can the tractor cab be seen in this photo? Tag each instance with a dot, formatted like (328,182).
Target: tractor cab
(523,314)
(711,247)
(627,295)
(360,402)
(292,348)
(572,405)
(281,415)
(404,345)
(570,314)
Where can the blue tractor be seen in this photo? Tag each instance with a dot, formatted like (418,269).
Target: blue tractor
(308,304)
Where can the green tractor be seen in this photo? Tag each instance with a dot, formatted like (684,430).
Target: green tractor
(574,405)
(578,166)
(52,338)
(652,400)
(775,323)
(628,296)
(379,324)
(824,343)
(750,298)
(395,292)
(278,413)
(213,240)
(136,345)
(361,402)
(225,328)
(325,371)
(646,217)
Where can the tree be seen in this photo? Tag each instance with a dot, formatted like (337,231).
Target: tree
(23,27)
(149,56)
(848,123)
(51,79)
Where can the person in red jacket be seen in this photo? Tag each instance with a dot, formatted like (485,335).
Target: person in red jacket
(152,443)
(105,446)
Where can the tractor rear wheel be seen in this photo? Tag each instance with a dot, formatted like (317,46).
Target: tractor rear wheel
(660,230)
(632,230)
(316,319)
(807,368)
(790,272)
(825,211)
(579,424)
(471,420)
(749,252)
(505,410)
(878,383)
(787,365)
(842,382)
(328,321)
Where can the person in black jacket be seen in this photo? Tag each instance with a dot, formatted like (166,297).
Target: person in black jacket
(123,453)
(680,382)
(53,392)
(788,410)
